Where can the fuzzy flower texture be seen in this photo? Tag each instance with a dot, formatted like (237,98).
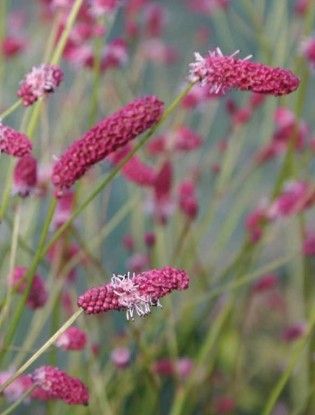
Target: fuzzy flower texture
(222,73)
(41,81)
(108,135)
(134,294)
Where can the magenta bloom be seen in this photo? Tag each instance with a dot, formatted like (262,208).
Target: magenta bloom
(56,384)
(41,81)
(222,73)
(108,135)
(134,294)
(13,142)
(72,339)
(25,176)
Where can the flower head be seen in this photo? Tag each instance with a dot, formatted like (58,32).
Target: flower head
(41,81)
(135,294)
(57,384)
(113,132)
(222,73)
(13,142)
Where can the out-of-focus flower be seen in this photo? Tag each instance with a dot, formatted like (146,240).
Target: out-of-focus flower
(134,294)
(221,73)
(294,332)
(157,51)
(301,6)
(163,205)
(197,96)
(155,18)
(265,283)
(163,367)
(137,262)
(255,221)
(309,244)
(113,132)
(37,296)
(57,384)
(16,389)
(295,197)
(149,239)
(188,201)
(12,46)
(134,170)
(128,242)
(207,6)
(224,405)
(64,209)
(308,50)
(183,367)
(120,357)
(25,176)
(101,7)
(42,80)
(72,339)
(182,139)
(13,142)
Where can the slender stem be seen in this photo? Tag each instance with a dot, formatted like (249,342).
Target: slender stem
(65,34)
(11,109)
(41,350)
(278,388)
(18,401)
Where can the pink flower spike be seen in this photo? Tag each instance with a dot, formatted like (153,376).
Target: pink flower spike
(221,73)
(108,135)
(72,339)
(41,81)
(188,202)
(57,384)
(25,176)
(13,142)
(136,294)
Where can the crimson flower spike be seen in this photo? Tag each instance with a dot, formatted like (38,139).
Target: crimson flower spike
(134,294)
(222,73)
(104,138)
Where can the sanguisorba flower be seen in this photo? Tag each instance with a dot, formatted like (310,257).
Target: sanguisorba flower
(57,384)
(41,81)
(222,73)
(135,294)
(13,142)
(108,135)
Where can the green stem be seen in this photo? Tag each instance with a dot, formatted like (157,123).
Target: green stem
(11,109)
(15,319)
